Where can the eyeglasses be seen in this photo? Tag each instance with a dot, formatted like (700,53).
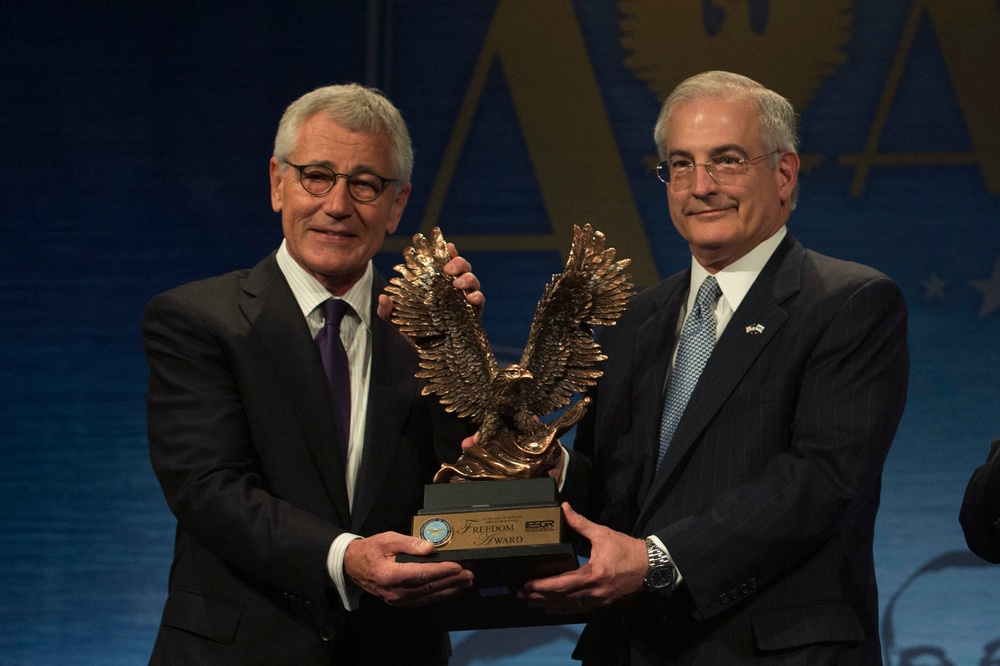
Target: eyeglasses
(724,169)
(318,180)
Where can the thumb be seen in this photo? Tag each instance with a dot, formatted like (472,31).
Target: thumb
(414,546)
(384,307)
(469,442)
(578,523)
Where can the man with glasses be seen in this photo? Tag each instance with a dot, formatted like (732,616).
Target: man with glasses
(286,426)
(732,458)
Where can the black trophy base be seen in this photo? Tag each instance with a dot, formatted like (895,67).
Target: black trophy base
(499,570)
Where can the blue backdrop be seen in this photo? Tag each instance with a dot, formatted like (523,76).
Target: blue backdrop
(135,142)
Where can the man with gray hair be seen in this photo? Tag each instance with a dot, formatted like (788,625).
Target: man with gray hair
(286,426)
(732,458)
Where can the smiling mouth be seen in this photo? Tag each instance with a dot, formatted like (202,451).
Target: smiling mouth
(708,212)
(330,233)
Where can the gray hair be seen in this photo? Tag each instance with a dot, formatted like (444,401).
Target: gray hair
(355,108)
(777,116)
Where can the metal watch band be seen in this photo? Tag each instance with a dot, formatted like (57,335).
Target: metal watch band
(662,574)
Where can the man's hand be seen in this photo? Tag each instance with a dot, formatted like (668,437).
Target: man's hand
(371,564)
(465,281)
(615,570)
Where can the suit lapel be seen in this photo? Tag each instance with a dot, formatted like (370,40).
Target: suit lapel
(391,392)
(733,355)
(270,306)
(652,362)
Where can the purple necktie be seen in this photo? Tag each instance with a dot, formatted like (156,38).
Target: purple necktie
(331,349)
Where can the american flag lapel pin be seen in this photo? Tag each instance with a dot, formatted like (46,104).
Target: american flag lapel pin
(755,329)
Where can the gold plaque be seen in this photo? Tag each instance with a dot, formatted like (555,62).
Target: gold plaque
(491,529)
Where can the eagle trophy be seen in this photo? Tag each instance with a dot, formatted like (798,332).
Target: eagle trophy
(558,360)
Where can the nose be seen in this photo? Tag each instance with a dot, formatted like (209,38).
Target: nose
(702,181)
(338,202)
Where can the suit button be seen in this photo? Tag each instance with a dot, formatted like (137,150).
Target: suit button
(327,633)
(723,599)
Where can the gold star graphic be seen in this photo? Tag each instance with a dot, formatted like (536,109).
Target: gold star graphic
(990,289)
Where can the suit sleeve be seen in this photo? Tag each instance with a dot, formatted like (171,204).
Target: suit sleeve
(202,453)
(980,514)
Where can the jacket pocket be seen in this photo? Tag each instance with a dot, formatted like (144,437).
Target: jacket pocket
(208,617)
(798,626)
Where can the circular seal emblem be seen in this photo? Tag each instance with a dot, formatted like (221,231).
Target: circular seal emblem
(437,531)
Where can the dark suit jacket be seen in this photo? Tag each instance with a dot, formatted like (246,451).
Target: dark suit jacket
(243,441)
(980,514)
(767,495)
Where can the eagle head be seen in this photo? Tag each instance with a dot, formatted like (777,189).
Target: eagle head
(510,380)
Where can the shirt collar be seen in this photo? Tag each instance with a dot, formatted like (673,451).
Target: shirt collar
(736,279)
(309,293)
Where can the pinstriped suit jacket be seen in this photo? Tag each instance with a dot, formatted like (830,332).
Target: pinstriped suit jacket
(767,496)
(243,441)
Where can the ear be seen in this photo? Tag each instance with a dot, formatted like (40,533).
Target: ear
(787,175)
(396,209)
(276,178)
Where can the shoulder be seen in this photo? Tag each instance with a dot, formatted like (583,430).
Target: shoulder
(215,298)
(225,286)
(828,281)
(849,283)
(792,265)
(839,271)
(205,288)
(649,300)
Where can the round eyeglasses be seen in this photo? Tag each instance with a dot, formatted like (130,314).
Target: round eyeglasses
(318,180)
(724,169)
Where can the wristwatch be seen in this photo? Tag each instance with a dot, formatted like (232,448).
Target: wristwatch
(662,574)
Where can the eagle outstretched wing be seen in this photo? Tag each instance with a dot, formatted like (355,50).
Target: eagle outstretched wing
(561,353)
(558,360)
(455,356)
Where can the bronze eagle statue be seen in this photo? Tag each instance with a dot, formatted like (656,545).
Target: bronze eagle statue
(558,360)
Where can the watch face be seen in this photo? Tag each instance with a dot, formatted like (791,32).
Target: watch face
(661,578)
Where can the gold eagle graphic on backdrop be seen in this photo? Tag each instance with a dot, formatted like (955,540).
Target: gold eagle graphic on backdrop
(787,45)
(558,360)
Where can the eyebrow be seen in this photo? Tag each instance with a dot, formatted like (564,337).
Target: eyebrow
(358,168)
(717,150)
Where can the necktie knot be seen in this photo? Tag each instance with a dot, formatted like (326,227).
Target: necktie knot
(334,310)
(708,294)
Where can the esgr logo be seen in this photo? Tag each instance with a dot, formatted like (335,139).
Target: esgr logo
(539,525)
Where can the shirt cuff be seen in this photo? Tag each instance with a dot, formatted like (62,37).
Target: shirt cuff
(350,594)
(563,466)
(655,539)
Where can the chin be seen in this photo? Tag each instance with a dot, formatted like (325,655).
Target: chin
(710,242)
